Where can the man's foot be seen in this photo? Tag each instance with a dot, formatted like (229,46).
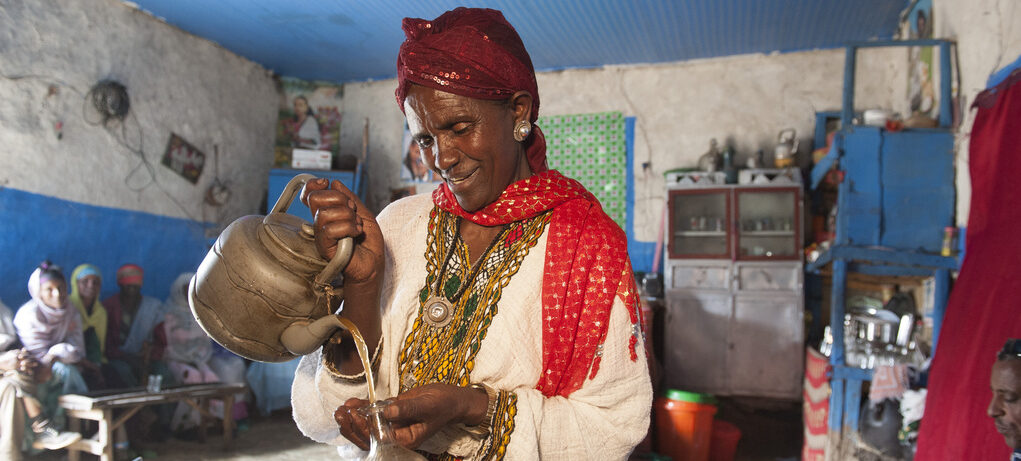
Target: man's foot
(52,439)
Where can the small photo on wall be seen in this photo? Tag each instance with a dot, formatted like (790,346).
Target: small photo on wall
(414,168)
(184,158)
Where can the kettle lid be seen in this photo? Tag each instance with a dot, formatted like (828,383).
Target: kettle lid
(293,234)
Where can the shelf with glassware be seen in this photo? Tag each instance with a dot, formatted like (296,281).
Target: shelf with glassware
(733,277)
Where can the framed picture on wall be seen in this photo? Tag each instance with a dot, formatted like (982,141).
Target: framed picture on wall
(308,118)
(184,158)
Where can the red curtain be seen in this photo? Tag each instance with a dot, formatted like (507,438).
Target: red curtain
(985,305)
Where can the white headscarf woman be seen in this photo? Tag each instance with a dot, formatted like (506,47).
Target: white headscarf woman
(51,330)
(189,349)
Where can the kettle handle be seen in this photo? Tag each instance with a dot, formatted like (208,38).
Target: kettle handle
(290,190)
(782,138)
(344,249)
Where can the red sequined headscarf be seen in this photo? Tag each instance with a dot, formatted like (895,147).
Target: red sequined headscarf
(472,52)
(476,53)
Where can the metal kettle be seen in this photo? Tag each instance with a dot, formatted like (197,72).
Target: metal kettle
(786,148)
(262,291)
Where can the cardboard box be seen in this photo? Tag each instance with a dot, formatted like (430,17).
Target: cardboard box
(308,159)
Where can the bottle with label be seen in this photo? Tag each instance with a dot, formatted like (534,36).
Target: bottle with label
(728,165)
(948,241)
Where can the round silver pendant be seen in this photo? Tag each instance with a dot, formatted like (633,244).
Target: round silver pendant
(438,311)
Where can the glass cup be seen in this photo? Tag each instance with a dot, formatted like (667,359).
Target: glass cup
(154,383)
(381,437)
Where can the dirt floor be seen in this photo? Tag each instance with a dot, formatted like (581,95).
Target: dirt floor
(273,437)
(770,431)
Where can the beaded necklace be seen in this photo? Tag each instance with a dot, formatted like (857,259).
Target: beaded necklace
(439,310)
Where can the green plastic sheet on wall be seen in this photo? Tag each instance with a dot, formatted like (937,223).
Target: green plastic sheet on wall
(592,149)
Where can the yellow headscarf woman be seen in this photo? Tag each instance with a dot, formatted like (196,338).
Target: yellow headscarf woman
(86,281)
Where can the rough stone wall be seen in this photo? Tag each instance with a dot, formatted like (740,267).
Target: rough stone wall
(52,53)
(679,108)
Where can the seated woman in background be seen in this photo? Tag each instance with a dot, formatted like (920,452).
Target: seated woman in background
(50,331)
(1005,406)
(189,352)
(132,319)
(86,283)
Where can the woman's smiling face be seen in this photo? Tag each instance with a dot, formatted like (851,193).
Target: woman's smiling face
(53,293)
(468,142)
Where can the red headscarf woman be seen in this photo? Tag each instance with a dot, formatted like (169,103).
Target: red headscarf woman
(501,309)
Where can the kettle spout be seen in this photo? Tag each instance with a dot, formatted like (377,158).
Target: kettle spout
(303,337)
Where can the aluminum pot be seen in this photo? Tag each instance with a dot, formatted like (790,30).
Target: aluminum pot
(262,291)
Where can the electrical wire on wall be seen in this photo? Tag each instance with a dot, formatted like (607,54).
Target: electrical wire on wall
(107,104)
(110,108)
(650,215)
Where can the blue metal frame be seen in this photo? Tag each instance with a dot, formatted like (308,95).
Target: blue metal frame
(946,110)
(845,256)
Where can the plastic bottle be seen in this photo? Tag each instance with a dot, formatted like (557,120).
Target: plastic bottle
(728,165)
(948,241)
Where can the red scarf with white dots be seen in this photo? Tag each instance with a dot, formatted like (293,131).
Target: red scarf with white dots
(586,268)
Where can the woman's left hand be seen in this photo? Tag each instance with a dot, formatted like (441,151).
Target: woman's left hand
(416,414)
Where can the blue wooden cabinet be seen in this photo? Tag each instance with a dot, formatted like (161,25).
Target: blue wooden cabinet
(898,189)
(278,178)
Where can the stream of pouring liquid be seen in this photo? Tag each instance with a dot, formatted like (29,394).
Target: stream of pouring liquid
(381,450)
(363,353)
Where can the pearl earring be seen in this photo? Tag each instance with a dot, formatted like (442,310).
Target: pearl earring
(522,130)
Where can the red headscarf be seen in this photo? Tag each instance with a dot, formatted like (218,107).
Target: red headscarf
(472,52)
(476,53)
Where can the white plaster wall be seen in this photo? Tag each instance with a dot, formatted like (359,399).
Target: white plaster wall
(679,108)
(177,83)
(988,36)
(374,101)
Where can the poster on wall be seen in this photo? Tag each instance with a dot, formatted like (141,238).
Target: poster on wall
(309,118)
(416,177)
(184,158)
(414,168)
(921,89)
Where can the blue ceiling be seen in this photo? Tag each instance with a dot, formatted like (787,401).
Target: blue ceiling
(356,40)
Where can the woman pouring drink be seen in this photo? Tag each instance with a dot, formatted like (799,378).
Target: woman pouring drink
(500,312)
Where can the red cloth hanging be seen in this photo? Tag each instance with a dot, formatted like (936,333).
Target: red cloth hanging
(985,306)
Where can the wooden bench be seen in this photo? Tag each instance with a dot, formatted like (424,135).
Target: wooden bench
(100,406)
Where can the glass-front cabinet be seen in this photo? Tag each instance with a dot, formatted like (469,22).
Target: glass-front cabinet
(699,220)
(768,223)
(734,285)
(753,224)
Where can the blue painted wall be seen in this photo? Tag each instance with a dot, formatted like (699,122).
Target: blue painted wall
(35,227)
(641,253)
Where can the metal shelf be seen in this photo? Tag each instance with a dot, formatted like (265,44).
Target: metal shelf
(701,233)
(779,233)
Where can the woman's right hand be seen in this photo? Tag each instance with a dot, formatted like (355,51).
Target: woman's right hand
(339,214)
